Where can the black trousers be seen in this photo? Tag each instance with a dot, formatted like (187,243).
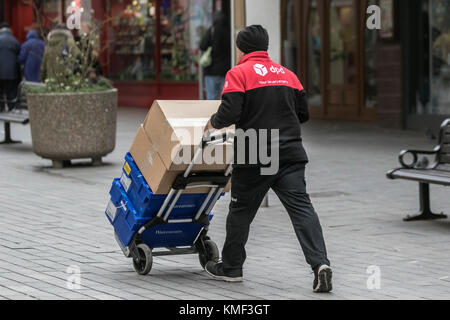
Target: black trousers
(248,190)
(8,93)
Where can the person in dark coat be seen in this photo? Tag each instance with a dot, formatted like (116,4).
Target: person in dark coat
(9,68)
(31,55)
(218,38)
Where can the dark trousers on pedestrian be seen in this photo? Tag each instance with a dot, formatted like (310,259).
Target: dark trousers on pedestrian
(8,93)
(249,188)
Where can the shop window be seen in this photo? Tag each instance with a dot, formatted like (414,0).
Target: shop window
(183,22)
(433,64)
(289,37)
(370,63)
(440,53)
(132,40)
(387,18)
(314,55)
(343,42)
(50,12)
(138,53)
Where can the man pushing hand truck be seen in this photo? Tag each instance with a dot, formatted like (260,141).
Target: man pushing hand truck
(267,103)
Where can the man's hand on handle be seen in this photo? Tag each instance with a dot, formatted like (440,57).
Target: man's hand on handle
(209,128)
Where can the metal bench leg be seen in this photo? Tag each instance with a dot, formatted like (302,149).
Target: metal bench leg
(8,139)
(425,209)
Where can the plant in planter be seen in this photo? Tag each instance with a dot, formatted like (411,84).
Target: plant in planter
(74,115)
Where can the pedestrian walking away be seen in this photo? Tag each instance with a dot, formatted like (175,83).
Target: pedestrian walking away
(31,55)
(262,96)
(9,67)
(217,38)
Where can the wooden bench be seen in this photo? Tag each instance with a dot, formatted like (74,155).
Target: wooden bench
(17,115)
(438,172)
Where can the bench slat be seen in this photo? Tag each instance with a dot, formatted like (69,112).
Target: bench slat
(426,176)
(15,116)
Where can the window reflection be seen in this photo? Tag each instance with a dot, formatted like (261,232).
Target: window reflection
(370,63)
(343,69)
(433,86)
(314,55)
(440,49)
(290,41)
(132,41)
(182,25)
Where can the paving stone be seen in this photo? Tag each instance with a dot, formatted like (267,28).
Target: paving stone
(53,219)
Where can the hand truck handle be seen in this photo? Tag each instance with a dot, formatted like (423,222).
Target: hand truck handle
(208,140)
(215,139)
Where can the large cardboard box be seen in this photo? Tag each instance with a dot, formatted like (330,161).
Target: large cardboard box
(150,164)
(168,139)
(176,129)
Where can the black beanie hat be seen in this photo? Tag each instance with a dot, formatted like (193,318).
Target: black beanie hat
(253,38)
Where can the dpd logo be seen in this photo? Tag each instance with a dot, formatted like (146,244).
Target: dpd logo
(277,70)
(260,69)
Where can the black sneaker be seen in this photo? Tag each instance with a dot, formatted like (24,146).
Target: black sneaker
(215,269)
(322,279)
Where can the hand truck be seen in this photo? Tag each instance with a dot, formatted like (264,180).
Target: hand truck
(142,253)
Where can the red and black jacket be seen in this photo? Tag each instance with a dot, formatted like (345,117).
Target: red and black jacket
(261,94)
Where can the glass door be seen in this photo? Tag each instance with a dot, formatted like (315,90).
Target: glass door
(343,52)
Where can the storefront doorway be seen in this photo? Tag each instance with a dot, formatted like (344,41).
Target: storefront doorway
(327,44)
(342,55)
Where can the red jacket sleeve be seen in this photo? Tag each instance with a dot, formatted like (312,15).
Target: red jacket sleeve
(230,110)
(234,81)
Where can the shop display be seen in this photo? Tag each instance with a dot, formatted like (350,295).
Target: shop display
(133,39)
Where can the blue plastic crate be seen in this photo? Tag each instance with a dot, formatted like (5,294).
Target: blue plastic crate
(126,222)
(122,214)
(173,235)
(148,204)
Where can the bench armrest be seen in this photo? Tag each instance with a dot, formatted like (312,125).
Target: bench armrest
(415,154)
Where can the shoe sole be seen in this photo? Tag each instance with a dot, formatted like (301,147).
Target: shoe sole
(224,278)
(324,278)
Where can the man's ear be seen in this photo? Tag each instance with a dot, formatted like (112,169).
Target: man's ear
(240,54)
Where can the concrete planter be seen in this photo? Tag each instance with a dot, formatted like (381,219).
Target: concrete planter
(68,126)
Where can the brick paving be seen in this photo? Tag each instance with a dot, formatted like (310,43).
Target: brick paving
(53,220)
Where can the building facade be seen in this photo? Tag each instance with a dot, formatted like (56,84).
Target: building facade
(149,48)
(397,76)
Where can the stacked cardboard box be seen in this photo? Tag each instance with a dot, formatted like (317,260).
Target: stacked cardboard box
(166,142)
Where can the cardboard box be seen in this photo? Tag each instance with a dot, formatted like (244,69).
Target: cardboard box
(149,162)
(176,129)
(169,137)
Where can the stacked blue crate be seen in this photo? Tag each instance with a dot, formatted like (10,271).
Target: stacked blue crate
(148,204)
(133,204)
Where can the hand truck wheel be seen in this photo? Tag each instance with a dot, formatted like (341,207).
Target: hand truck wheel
(210,252)
(143,262)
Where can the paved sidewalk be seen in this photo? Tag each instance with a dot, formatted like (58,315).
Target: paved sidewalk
(52,224)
